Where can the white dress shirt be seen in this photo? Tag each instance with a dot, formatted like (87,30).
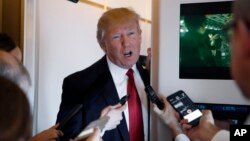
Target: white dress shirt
(121,81)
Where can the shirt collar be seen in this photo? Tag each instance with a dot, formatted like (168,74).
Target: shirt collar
(117,72)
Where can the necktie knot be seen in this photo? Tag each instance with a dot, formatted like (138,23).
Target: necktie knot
(130,73)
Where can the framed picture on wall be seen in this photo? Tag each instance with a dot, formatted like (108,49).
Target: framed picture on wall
(204,42)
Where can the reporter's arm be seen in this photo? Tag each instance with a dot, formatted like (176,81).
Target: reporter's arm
(169,117)
(206,130)
(115,115)
(48,135)
(96,136)
(222,135)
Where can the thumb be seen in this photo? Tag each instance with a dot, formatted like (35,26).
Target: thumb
(122,107)
(157,110)
(55,126)
(116,106)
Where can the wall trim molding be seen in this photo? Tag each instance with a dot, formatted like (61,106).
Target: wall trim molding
(102,6)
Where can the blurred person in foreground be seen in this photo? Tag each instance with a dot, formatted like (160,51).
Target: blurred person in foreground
(12,69)
(15,116)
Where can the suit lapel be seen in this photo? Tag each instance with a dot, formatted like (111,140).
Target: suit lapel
(144,74)
(111,96)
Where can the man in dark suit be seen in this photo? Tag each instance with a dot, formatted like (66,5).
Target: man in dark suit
(105,82)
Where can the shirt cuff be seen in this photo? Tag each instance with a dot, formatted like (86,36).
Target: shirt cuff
(222,135)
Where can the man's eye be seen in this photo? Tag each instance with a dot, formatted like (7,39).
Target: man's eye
(131,33)
(116,37)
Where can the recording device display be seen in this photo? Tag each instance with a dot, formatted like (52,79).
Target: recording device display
(185,107)
(153,97)
(69,116)
(124,99)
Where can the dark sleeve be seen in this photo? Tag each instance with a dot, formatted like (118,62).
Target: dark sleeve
(68,101)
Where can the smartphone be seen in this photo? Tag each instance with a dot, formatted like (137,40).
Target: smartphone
(185,107)
(153,97)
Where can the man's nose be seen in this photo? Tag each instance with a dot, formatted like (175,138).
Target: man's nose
(125,40)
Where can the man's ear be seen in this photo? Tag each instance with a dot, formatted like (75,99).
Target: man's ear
(244,35)
(103,46)
(140,33)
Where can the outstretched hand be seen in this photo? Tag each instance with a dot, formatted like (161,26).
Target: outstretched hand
(48,135)
(204,131)
(169,116)
(115,115)
(96,136)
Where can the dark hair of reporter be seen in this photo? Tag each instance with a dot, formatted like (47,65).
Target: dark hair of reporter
(6,42)
(14,70)
(15,116)
(9,45)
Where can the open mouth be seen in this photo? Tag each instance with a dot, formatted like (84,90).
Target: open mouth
(128,54)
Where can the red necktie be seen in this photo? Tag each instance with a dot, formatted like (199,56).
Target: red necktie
(136,130)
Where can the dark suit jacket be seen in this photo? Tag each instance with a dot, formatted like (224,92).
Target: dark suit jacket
(94,88)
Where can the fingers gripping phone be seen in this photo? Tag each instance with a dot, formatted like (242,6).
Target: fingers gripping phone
(153,97)
(185,107)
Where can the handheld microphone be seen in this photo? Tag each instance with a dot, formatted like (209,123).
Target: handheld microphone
(69,116)
(75,1)
(124,99)
(153,97)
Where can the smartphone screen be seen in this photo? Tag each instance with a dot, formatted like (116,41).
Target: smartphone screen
(185,107)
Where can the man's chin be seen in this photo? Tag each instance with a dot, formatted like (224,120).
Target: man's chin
(127,65)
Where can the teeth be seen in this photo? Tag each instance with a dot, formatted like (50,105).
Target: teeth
(128,53)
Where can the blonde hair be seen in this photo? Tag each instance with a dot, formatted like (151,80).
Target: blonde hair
(114,17)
